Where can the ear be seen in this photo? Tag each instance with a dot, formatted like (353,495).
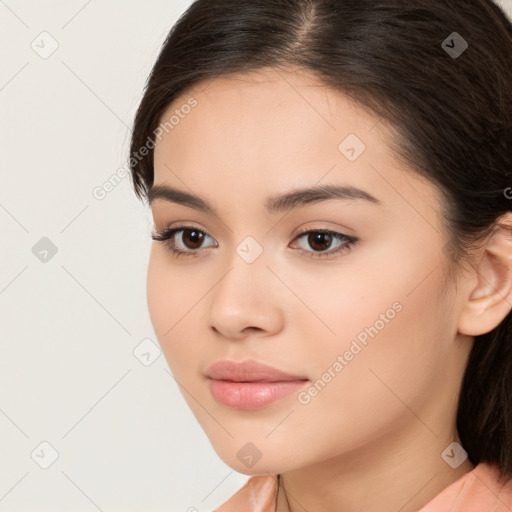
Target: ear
(490,300)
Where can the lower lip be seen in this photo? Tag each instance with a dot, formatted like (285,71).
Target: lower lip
(252,395)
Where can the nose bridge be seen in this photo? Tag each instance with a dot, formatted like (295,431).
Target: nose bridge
(241,297)
(246,268)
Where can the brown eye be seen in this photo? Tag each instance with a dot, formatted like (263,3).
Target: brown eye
(192,238)
(187,244)
(319,240)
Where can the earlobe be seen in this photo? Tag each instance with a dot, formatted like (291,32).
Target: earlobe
(490,300)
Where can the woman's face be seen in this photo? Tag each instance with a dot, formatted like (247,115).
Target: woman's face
(369,326)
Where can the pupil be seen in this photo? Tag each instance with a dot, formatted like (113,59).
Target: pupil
(193,234)
(319,237)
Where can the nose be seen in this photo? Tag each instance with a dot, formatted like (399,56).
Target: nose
(246,299)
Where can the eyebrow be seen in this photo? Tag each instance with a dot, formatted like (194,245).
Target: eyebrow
(274,204)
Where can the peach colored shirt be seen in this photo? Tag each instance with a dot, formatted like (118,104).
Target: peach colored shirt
(480,490)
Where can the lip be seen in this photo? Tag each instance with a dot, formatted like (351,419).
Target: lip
(250,385)
(248,371)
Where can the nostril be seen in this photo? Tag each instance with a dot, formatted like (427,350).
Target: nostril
(251,329)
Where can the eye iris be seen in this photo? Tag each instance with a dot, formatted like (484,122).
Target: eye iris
(195,236)
(314,238)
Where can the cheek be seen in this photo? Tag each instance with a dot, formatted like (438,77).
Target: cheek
(171,307)
(171,292)
(390,292)
(382,315)
(158,286)
(390,345)
(334,305)
(381,381)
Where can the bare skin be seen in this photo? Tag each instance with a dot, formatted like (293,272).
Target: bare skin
(373,437)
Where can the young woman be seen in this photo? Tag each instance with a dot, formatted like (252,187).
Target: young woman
(331,273)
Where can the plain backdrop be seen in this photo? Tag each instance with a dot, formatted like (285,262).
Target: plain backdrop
(90,416)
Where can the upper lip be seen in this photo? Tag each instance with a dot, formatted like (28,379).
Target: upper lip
(248,371)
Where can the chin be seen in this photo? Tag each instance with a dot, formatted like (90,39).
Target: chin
(262,467)
(262,470)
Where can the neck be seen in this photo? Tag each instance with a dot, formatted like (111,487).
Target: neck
(405,478)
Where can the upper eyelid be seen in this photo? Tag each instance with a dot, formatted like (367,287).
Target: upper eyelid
(178,228)
(171,232)
(345,230)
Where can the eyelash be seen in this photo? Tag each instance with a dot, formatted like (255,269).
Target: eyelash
(166,237)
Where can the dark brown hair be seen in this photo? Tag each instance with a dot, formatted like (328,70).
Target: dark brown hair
(451,115)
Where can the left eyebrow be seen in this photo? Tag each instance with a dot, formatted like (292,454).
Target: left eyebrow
(274,204)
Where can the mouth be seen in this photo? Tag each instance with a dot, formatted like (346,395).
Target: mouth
(250,385)
(252,395)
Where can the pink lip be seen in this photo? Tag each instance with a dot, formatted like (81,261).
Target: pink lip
(250,385)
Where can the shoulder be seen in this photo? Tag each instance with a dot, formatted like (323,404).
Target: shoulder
(482,489)
(257,495)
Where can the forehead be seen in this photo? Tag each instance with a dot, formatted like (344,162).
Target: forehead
(268,97)
(264,132)
(246,118)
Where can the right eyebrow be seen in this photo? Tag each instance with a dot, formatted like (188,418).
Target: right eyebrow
(279,203)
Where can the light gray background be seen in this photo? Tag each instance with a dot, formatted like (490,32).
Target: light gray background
(125,437)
